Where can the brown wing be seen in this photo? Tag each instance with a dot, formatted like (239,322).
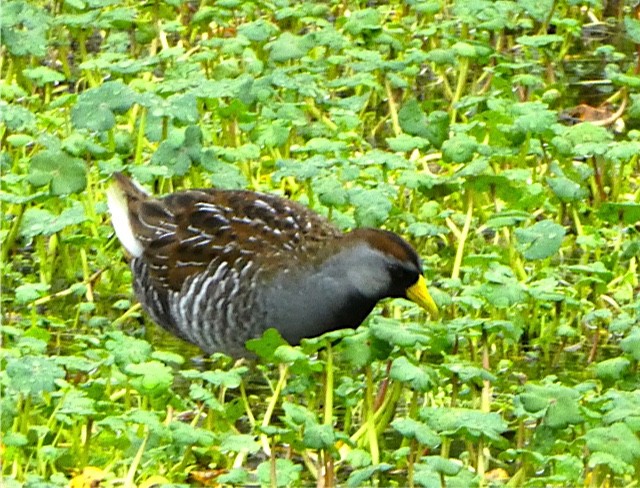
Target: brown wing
(184,232)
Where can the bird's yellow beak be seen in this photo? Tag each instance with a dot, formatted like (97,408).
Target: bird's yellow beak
(419,294)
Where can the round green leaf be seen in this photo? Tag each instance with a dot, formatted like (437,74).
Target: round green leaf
(612,369)
(286,47)
(287,473)
(414,429)
(65,173)
(418,377)
(616,439)
(567,190)
(319,436)
(151,378)
(459,149)
(33,375)
(541,240)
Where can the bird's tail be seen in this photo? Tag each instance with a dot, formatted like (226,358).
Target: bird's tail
(121,195)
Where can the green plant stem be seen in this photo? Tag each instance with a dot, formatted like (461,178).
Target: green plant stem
(165,128)
(21,78)
(455,387)
(52,252)
(142,123)
(387,409)
(514,258)
(446,86)
(42,257)
(481,467)
(545,24)
(90,206)
(10,240)
(273,474)
(310,193)
(410,462)
(63,54)
(310,464)
(7,79)
(86,448)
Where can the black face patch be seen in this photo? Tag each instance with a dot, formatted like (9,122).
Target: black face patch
(403,276)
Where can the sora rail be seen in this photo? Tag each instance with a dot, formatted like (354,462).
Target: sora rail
(219,267)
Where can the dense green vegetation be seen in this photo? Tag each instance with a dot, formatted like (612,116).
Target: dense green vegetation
(457,124)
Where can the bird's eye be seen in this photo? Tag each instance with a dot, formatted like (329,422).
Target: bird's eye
(403,274)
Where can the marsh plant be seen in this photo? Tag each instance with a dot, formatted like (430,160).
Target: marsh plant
(500,138)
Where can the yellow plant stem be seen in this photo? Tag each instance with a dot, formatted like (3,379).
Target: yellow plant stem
(326,457)
(128,481)
(90,206)
(481,468)
(457,264)
(393,109)
(311,106)
(51,253)
(380,418)
(140,139)
(372,434)
(485,404)
(85,273)
(133,309)
(328,393)
(462,76)
(282,380)
(453,228)
(247,407)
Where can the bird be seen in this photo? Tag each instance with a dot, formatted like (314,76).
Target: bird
(218,267)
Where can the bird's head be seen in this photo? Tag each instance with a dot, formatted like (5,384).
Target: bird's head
(388,267)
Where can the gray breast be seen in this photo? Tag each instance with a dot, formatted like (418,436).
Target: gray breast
(336,293)
(305,305)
